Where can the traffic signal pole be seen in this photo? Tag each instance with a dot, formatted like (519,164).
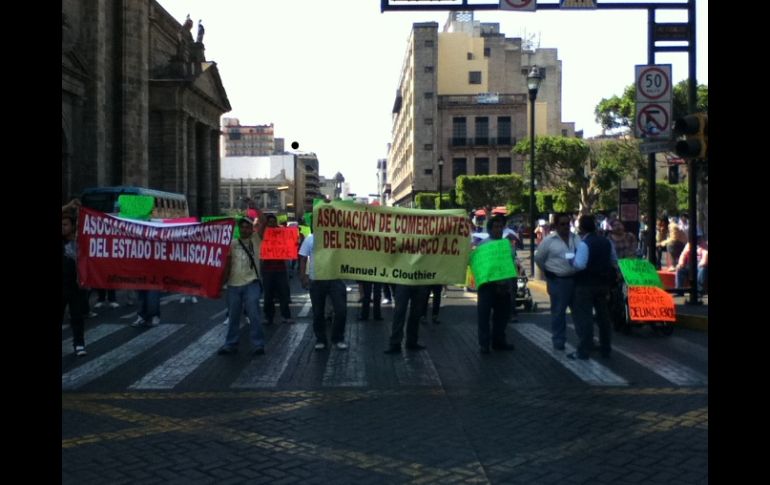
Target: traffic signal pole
(692,180)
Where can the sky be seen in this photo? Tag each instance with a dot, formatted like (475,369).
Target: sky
(325,73)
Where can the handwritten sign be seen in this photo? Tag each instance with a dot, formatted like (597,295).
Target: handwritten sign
(648,303)
(639,272)
(493,261)
(279,243)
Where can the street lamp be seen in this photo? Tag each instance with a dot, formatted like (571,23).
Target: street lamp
(440,178)
(533,84)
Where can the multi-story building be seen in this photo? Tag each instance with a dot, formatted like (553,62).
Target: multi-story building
(140,102)
(247,141)
(383,188)
(463,97)
(287,183)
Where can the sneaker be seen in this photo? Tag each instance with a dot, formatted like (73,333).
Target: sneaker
(385,301)
(139,322)
(114,304)
(80,350)
(183,299)
(193,299)
(341,346)
(156,320)
(99,304)
(320,346)
(92,315)
(227,321)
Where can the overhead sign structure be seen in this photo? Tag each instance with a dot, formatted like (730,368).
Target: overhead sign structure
(656,146)
(679,31)
(653,120)
(653,83)
(518,5)
(582,4)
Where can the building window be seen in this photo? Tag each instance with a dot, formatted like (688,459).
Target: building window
(474,77)
(459,131)
(428,121)
(428,171)
(459,167)
(504,165)
(429,95)
(428,68)
(503,130)
(470,56)
(428,43)
(428,146)
(482,166)
(564,132)
(487,51)
(482,130)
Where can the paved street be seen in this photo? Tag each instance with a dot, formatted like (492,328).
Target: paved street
(157,405)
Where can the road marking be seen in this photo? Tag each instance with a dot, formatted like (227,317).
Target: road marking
(174,370)
(589,370)
(95,368)
(416,369)
(346,368)
(668,369)
(93,335)
(218,315)
(305,309)
(264,372)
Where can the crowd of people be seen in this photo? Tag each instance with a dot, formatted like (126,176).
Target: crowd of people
(578,257)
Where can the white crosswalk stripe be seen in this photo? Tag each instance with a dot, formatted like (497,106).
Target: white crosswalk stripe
(82,375)
(93,335)
(589,370)
(416,369)
(264,372)
(174,370)
(346,368)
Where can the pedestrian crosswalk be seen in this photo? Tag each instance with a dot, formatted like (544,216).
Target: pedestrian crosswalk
(155,359)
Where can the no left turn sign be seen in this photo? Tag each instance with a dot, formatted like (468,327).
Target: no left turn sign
(653,120)
(519,5)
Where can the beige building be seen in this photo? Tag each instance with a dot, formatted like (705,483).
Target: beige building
(140,102)
(247,141)
(463,97)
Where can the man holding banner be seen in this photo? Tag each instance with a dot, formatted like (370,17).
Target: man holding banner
(244,288)
(493,268)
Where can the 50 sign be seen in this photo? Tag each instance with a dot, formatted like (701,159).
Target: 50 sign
(653,83)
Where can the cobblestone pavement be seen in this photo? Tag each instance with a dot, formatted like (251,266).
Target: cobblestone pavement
(443,415)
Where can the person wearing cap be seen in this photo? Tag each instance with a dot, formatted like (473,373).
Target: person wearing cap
(276,281)
(243,287)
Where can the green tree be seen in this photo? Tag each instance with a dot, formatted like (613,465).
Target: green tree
(617,112)
(475,191)
(579,169)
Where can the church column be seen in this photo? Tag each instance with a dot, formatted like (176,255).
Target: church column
(192,171)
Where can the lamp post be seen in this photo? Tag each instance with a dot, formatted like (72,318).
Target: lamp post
(533,84)
(440,178)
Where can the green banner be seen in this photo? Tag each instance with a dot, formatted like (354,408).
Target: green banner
(492,261)
(304,230)
(390,244)
(136,206)
(639,272)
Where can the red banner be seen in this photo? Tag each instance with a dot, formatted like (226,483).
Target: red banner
(116,253)
(279,243)
(649,303)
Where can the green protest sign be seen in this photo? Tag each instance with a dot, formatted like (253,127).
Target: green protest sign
(390,244)
(304,230)
(492,261)
(639,272)
(136,206)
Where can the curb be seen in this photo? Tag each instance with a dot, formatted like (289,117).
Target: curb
(692,322)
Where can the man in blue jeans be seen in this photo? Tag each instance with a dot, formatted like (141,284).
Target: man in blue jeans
(244,288)
(554,257)
(149,308)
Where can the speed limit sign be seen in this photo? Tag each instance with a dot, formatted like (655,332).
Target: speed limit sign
(653,83)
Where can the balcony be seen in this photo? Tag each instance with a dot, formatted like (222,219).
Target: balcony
(482,141)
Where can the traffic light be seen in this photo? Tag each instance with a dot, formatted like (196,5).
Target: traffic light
(695,128)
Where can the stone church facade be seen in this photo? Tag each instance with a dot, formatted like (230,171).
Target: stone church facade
(140,103)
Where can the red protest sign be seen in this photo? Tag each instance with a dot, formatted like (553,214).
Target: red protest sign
(650,303)
(279,243)
(115,253)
